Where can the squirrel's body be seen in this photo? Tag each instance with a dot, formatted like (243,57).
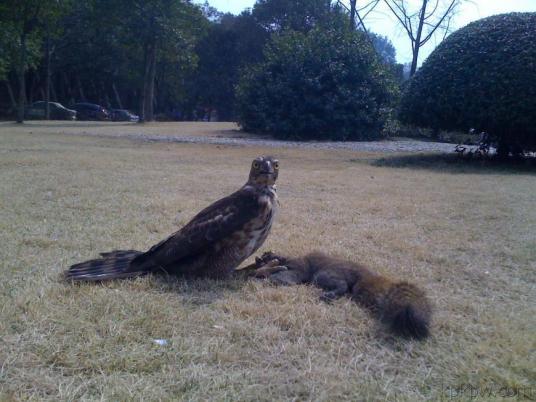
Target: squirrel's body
(401,305)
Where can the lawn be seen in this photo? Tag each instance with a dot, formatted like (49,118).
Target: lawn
(464,233)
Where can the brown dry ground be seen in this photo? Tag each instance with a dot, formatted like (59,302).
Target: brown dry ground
(465,233)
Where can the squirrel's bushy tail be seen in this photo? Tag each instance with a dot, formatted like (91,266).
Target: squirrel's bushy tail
(402,306)
(113,265)
(406,310)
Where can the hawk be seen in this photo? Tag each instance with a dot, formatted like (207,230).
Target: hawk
(216,241)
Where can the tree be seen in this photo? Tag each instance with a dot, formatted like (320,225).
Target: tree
(297,15)
(324,84)
(358,11)
(24,24)
(97,58)
(165,30)
(51,15)
(384,47)
(482,77)
(420,24)
(111,52)
(22,21)
(232,43)
(387,53)
(6,36)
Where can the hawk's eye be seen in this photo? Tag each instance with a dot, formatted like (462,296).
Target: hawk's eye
(276,165)
(256,165)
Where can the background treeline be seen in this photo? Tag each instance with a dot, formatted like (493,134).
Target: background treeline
(289,68)
(164,59)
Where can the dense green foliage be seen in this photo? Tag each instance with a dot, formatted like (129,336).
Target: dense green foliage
(235,42)
(164,59)
(24,24)
(325,84)
(296,15)
(118,53)
(232,43)
(132,48)
(484,77)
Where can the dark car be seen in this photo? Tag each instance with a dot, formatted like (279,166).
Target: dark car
(91,111)
(57,111)
(123,115)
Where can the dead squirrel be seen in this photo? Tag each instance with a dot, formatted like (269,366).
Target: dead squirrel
(402,306)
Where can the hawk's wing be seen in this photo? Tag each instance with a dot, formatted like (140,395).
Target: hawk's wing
(213,223)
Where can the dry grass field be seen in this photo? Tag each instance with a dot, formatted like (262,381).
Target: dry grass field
(111,129)
(467,234)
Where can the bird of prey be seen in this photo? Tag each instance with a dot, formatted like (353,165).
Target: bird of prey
(216,241)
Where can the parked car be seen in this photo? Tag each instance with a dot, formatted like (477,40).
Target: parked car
(91,111)
(123,115)
(57,111)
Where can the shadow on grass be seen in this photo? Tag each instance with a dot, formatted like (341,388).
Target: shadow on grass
(199,291)
(194,291)
(453,163)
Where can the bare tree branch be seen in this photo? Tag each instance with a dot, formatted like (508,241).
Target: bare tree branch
(450,8)
(355,12)
(372,2)
(405,24)
(446,29)
(423,23)
(361,22)
(431,13)
(371,9)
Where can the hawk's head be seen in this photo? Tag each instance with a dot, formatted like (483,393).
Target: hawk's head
(264,171)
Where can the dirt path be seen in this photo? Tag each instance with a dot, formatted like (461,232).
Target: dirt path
(397,145)
(213,133)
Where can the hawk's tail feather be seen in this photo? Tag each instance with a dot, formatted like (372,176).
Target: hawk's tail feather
(113,265)
(121,253)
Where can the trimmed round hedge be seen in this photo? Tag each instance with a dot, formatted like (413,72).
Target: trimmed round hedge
(324,84)
(483,76)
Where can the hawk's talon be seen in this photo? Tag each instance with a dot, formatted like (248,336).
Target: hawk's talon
(328,297)
(269,269)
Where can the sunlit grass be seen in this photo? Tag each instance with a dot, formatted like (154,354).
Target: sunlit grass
(467,236)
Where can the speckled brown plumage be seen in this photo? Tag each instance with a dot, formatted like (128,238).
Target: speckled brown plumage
(212,244)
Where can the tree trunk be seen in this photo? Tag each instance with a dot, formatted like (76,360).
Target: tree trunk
(54,95)
(417,43)
(145,79)
(67,89)
(142,112)
(147,100)
(96,96)
(80,89)
(151,74)
(47,76)
(11,96)
(107,100)
(352,12)
(22,81)
(34,85)
(414,61)
(117,97)
(503,148)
